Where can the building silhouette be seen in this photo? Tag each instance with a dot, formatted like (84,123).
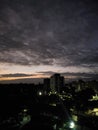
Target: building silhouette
(56,83)
(47,85)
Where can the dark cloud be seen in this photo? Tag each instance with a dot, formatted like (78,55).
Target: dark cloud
(74,75)
(15,75)
(49,32)
(82,75)
(47,72)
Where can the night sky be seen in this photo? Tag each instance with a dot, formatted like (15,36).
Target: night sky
(41,37)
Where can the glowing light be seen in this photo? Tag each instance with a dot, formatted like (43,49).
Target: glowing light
(71,125)
(25,110)
(40,93)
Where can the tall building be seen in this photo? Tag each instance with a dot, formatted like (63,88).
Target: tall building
(56,83)
(47,84)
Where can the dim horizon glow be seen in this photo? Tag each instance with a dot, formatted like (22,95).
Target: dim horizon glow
(15,72)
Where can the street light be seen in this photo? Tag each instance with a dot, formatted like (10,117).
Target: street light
(40,93)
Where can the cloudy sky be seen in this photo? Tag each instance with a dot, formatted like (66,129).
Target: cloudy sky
(41,37)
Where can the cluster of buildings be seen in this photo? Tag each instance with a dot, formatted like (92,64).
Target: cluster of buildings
(56,83)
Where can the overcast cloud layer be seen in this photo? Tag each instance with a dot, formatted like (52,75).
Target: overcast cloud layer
(49,32)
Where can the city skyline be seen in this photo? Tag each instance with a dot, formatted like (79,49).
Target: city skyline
(40,38)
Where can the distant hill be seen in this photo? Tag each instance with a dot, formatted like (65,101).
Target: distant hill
(28,80)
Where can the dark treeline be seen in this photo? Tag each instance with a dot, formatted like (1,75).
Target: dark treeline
(17,89)
(15,97)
